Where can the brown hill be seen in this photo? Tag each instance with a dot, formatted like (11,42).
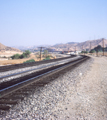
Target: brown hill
(6,48)
(79,46)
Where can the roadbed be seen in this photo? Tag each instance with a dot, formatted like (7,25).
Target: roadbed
(79,94)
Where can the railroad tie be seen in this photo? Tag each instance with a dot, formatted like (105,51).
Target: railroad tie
(4,107)
(13,102)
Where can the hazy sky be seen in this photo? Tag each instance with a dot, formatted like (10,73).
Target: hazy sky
(38,22)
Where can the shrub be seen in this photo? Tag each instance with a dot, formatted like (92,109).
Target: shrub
(16,56)
(24,55)
(31,60)
(27,53)
(84,52)
(47,58)
(92,51)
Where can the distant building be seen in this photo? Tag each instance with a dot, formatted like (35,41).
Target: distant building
(77,52)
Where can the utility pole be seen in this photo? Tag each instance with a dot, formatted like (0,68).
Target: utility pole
(40,52)
(68,50)
(97,49)
(90,46)
(82,47)
(103,45)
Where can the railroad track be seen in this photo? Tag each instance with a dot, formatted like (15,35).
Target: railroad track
(14,91)
(23,65)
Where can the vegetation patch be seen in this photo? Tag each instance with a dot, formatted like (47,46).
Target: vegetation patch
(99,48)
(24,55)
(47,58)
(28,61)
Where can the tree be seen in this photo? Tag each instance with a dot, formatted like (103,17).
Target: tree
(98,48)
(92,51)
(16,56)
(45,52)
(27,53)
(84,52)
(24,55)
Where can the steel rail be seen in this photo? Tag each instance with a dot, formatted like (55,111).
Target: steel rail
(39,68)
(23,65)
(21,77)
(15,87)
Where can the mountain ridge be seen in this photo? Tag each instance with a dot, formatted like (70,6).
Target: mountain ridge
(71,46)
(89,44)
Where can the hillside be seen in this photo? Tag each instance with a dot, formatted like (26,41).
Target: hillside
(6,48)
(70,46)
(79,46)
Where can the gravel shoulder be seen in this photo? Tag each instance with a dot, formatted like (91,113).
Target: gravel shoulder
(89,100)
(79,94)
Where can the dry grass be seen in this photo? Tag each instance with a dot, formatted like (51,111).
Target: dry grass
(9,53)
(99,54)
(18,61)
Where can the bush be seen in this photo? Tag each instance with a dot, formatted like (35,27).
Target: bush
(84,52)
(24,55)
(31,60)
(47,58)
(92,51)
(27,53)
(16,56)
(45,52)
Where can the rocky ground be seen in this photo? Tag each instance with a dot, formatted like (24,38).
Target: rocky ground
(32,68)
(79,94)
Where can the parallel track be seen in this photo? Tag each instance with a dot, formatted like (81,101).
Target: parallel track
(12,93)
(23,65)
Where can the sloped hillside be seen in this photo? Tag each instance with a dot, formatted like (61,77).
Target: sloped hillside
(6,48)
(80,46)
(91,43)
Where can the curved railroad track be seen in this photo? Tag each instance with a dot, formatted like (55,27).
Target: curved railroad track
(11,92)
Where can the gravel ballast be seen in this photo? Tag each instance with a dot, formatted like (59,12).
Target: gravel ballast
(29,70)
(78,94)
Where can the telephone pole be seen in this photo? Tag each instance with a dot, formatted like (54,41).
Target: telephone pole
(68,50)
(103,45)
(90,46)
(82,47)
(40,52)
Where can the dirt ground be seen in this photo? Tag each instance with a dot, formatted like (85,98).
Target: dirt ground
(6,61)
(89,101)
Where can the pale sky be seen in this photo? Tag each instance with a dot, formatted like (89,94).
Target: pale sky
(38,22)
